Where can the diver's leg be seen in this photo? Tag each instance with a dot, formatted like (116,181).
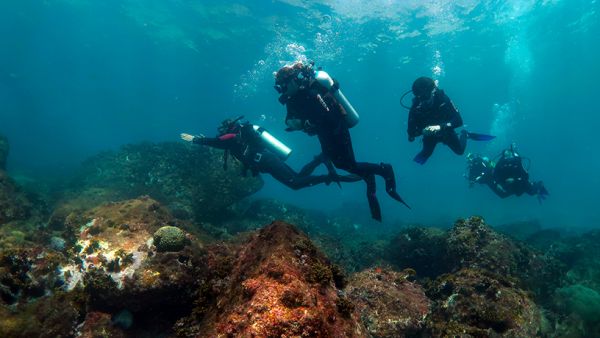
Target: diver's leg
(372,197)
(455,142)
(429,144)
(531,190)
(390,182)
(271,164)
(312,165)
(286,175)
(385,170)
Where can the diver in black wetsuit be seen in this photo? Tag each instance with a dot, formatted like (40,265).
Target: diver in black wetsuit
(243,141)
(434,116)
(506,177)
(316,110)
(511,178)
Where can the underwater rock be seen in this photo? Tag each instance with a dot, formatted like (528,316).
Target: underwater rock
(169,238)
(189,180)
(99,324)
(4,148)
(280,285)
(113,259)
(422,249)
(342,239)
(28,273)
(475,303)
(581,301)
(471,243)
(390,305)
(14,205)
(57,315)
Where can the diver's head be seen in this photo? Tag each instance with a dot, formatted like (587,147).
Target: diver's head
(508,154)
(229,126)
(291,78)
(424,89)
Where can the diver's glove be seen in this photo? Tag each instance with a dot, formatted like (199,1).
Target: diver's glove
(309,128)
(431,130)
(293,124)
(189,137)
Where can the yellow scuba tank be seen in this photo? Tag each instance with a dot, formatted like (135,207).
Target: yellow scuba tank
(273,144)
(326,81)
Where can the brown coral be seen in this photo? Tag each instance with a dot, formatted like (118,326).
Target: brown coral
(390,305)
(256,304)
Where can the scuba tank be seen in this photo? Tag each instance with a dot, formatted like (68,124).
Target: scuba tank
(326,81)
(273,144)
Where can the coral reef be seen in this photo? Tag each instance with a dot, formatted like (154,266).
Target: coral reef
(169,238)
(109,263)
(190,181)
(280,286)
(390,305)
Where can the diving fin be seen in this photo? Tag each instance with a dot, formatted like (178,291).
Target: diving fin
(374,207)
(479,137)
(420,159)
(390,183)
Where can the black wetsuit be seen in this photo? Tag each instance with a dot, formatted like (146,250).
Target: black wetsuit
(441,112)
(320,114)
(246,146)
(511,178)
(507,177)
(480,171)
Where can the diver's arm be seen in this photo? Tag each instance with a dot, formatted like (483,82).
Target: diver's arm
(413,130)
(454,119)
(293,120)
(221,142)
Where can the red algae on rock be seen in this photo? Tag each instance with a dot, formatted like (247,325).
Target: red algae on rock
(270,293)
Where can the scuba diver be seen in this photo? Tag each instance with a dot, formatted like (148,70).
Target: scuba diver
(506,176)
(316,106)
(260,152)
(434,116)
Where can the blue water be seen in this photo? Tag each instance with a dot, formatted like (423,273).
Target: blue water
(81,76)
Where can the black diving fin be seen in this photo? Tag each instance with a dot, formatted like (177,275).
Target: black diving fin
(479,137)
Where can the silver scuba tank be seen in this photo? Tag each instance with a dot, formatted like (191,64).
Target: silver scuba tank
(326,81)
(273,144)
